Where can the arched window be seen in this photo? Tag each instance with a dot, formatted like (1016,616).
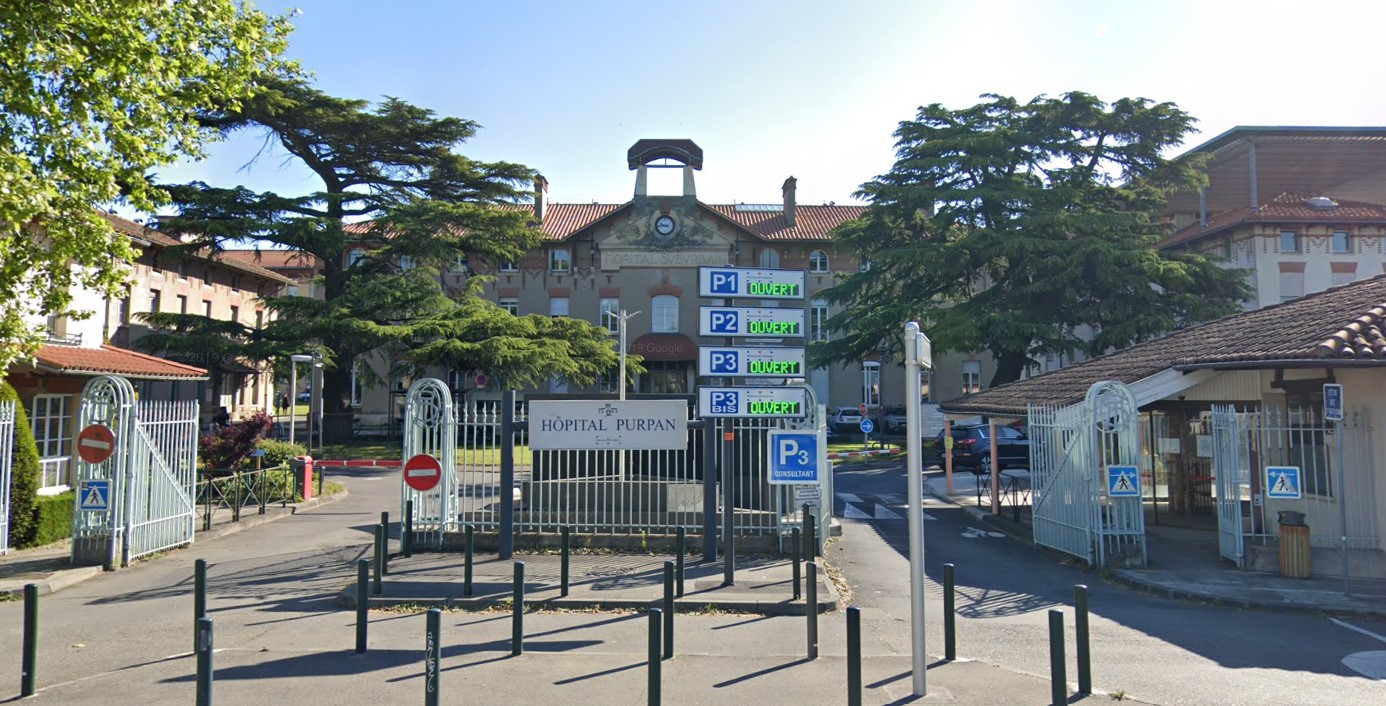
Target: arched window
(770,258)
(664,317)
(818,262)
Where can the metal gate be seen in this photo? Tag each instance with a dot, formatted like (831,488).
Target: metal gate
(429,428)
(151,474)
(6,459)
(1070,448)
(1231,478)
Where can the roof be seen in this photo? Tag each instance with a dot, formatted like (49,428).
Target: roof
(680,150)
(73,360)
(154,237)
(1289,208)
(1342,326)
(274,259)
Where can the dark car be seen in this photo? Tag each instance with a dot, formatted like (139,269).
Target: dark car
(972,448)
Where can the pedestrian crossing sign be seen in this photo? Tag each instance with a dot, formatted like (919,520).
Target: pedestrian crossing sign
(1123,482)
(94,495)
(1282,482)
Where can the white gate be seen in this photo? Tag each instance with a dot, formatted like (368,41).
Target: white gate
(151,475)
(429,428)
(6,458)
(1070,449)
(1232,476)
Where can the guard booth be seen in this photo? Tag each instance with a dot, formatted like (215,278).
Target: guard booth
(136,474)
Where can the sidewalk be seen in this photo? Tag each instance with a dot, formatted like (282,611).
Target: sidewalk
(1184,564)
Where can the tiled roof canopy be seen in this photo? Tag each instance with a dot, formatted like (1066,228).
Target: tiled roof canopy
(1342,326)
(1288,208)
(111,360)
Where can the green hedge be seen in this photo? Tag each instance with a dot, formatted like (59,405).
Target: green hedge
(54,518)
(24,478)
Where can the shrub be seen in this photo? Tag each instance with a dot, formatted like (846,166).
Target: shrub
(24,474)
(278,453)
(231,446)
(54,514)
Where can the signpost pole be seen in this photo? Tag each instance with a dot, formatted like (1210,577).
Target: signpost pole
(916,506)
(1333,411)
(725,476)
(507,475)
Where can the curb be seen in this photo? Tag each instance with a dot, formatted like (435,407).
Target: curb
(257,520)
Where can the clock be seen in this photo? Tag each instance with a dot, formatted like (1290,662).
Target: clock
(664,226)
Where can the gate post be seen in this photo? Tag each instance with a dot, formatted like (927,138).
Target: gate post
(102,536)
(709,431)
(507,475)
(430,428)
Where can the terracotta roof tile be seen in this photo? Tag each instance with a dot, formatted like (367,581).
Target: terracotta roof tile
(112,360)
(1345,323)
(274,259)
(1286,208)
(147,234)
(564,219)
(810,222)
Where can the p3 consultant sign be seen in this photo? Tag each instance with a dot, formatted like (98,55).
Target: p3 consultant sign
(608,424)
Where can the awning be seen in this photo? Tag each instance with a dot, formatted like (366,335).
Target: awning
(665,346)
(109,360)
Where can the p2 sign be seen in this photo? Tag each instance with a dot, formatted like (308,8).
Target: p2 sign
(793,457)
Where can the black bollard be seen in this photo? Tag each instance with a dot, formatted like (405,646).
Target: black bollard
(204,662)
(810,535)
(379,558)
(29,661)
(363,603)
(433,656)
(467,572)
(1080,625)
(199,595)
(854,656)
(653,657)
(406,540)
(811,610)
(668,609)
(517,609)
(950,630)
(563,572)
(385,544)
(678,559)
(794,541)
(1058,677)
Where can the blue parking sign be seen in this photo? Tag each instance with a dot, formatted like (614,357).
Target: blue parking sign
(793,457)
(726,402)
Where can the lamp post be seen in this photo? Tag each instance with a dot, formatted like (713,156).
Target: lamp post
(294,360)
(316,398)
(621,376)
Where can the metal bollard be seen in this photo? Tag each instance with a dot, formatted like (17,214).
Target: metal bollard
(678,559)
(29,661)
(236,509)
(379,558)
(385,544)
(363,603)
(1080,625)
(668,609)
(794,541)
(653,658)
(204,662)
(811,610)
(406,538)
(950,629)
(563,572)
(853,656)
(517,609)
(467,571)
(810,541)
(433,656)
(199,595)
(1058,677)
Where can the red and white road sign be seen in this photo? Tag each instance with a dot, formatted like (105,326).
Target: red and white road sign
(423,472)
(95,443)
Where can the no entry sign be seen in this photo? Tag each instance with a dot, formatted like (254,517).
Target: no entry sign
(95,443)
(423,472)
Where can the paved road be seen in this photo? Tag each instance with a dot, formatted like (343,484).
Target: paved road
(1153,649)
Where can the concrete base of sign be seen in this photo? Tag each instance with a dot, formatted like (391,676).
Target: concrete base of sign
(92,550)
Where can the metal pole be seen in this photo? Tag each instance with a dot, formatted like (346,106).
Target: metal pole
(810,534)
(204,662)
(199,595)
(517,612)
(853,656)
(811,610)
(433,656)
(653,657)
(727,476)
(1058,679)
(29,662)
(709,490)
(668,609)
(363,603)
(563,572)
(950,633)
(406,539)
(794,540)
(1342,505)
(293,398)
(385,544)
(379,543)
(467,571)
(507,475)
(913,341)
(1080,626)
(682,549)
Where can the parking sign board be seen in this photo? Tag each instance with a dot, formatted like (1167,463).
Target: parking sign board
(793,457)
(761,402)
(737,282)
(750,321)
(751,362)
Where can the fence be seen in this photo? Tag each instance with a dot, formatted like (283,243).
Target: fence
(225,495)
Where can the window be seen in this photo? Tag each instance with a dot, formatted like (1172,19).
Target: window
(1289,241)
(293,290)
(49,425)
(818,262)
(865,265)
(558,386)
(182,303)
(459,263)
(769,258)
(355,386)
(1291,285)
(664,314)
(236,314)
(558,306)
(665,377)
(818,321)
(1342,242)
(511,304)
(123,310)
(560,260)
(355,256)
(609,315)
(608,382)
(510,266)
(259,318)
(207,308)
(871,383)
(155,301)
(972,376)
(406,263)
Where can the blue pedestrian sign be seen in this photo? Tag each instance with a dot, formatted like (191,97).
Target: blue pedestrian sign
(1123,482)
(94,495)
(793,457)
(1282,482)
(1333,402)
(867,426)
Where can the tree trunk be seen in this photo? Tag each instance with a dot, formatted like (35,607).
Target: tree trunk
(1009,367)
(337,418)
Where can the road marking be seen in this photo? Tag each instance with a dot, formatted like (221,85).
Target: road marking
(974,533)
(884,513)
(852,513)
(848,497)
(1369,664)
(1354,628)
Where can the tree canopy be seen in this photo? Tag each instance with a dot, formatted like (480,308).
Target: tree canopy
(92,96)
(397,205)
(1026,230)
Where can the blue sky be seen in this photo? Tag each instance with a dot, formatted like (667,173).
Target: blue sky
(806,88)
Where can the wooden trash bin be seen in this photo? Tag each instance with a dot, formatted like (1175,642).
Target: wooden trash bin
(1295,559)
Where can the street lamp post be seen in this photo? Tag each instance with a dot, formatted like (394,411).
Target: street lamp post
(294,360)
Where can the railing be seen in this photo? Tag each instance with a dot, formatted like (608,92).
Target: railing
(225,495)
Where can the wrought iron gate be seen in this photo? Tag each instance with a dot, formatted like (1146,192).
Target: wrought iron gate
(1232,479)
(429,428)
(6,458)
(1070,448)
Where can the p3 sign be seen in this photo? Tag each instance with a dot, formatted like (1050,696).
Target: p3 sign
(724,362)
(793,457)
(725,402)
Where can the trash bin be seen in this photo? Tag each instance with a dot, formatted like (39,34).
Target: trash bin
(1295,561)
(302,467)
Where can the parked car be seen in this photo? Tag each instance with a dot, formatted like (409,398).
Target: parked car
(844,419)
(972,448)
(305,397)
(895,419)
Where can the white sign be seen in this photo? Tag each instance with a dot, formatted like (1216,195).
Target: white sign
(747,362)
(608,424)
(1282,483)
(793,457)
(737,282)
(808,494)
(763,402)
(1205,445)
(750,321)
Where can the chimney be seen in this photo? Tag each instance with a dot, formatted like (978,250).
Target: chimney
(541,195)
(788,190)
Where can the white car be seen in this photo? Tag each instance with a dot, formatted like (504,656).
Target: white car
(844,419)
